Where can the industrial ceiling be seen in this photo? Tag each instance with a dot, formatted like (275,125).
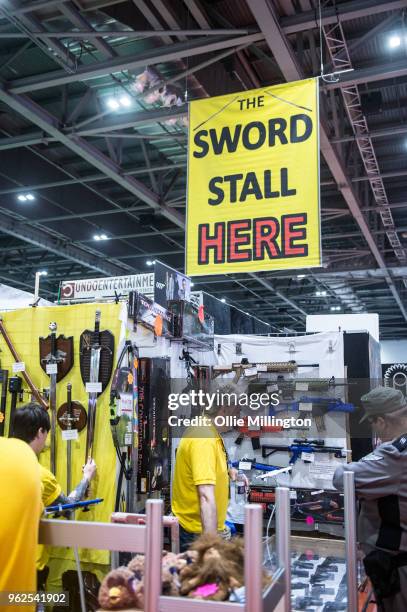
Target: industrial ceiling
(93,141)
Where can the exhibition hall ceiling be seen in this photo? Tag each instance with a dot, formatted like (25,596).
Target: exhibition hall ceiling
(93,142)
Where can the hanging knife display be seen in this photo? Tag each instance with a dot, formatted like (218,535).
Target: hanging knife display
(15,388)
(3,399)
(50,360)
(124,420)
(25,374)
(71,417)
(58,350)
(96,365)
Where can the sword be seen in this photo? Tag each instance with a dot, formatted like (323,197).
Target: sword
(95,349)
(3,400)
(69,422)
(25,374)
(71,416)
(52,359)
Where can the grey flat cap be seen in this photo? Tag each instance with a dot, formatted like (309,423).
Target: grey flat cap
(382,400)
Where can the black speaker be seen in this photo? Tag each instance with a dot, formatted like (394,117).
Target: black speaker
(372,103)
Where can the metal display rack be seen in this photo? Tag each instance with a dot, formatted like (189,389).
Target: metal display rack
(148,538)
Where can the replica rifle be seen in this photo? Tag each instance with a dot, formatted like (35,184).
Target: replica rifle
(302,446)
(244,368)
(3,399)
(289,387)
(25,374)
(254,434)
(124,419)
(96,364)
(71,418)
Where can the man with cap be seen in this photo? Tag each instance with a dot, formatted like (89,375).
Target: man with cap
(381,488)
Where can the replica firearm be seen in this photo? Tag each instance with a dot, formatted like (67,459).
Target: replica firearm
(302,446)
(244,368)
(60,508)
(254,434)
(287,388)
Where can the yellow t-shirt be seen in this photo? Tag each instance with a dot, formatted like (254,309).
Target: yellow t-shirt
(20,511)
(50,491)
(199,460)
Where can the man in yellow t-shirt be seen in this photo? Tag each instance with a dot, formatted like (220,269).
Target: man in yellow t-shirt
(31,423)
(200,490)
(19,517)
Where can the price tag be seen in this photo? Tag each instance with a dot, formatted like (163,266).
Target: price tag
(317,492)
(245,465)
(93,387)
(308,457)
(126,404)
(128,439)
(301,386)
(305,406)
(69,434)
(52,368)
(18,366)
(262,367)
(293,494)
(250,371)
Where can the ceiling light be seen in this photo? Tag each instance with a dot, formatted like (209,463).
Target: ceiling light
(125,101)
(300,275)
(335,308)
(320,293)
(113,104)
(223,300)
(394,41)
(22,198)
(42,273)
(191,285)
(96,237)
(103,237)
(150,262)
(30,197)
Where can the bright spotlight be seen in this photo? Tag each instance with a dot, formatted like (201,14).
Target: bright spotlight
(22,198)
(394,41)
(30,197)
(125,101)
(113,104)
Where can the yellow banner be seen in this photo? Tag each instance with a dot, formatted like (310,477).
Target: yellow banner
(253,181)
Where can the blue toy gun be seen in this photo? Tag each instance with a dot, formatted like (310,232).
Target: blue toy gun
(60,508)
(264,467)
(302,446)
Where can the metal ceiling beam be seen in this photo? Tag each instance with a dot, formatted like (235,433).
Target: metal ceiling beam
(91,178)
(379,133)
(39,238)
(93,34)
(123,121)
(267,20)
(282,297)
(308,20)
(34,113)
(377,72)
(150,57)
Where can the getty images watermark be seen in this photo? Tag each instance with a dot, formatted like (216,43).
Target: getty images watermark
(216,403)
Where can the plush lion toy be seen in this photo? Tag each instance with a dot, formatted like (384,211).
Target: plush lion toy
(218,569)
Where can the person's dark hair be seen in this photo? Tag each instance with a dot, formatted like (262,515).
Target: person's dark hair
(27,420)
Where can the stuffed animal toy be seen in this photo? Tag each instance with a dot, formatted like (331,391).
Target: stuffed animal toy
(217,570)
(116,591)
(211,570)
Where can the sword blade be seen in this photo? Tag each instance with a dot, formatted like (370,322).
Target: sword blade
(53,418)
(92,403)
